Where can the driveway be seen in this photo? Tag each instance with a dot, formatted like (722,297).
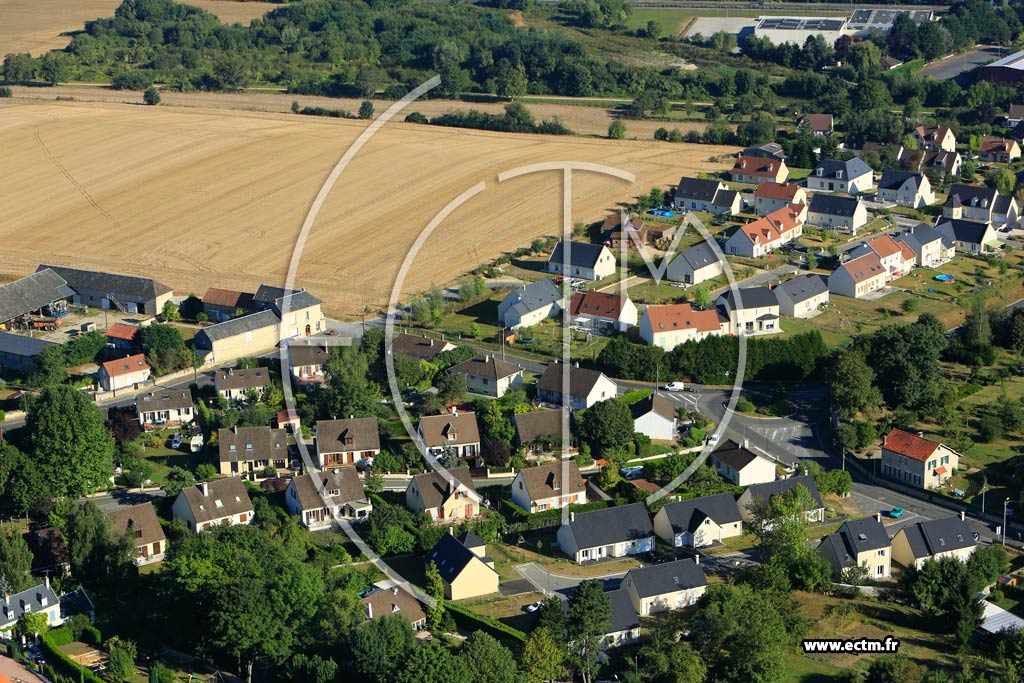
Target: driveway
(951,67)
(515,587)
(563,586)
(16,672)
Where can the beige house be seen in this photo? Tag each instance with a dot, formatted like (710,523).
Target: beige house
(610,532)
(859,277)
(741,466)
(248,451)
(935,138)
(213,503)
(238,384)
(489,376)
(395,600)
(346,442)
(971,237)
(623,623)
(914,460)
(802,297)
(319,498)
(169,408)
(836,212)
(140,522)
(536,489)
(674,324)
(124,373)
(307,360)
(994,150)
(770,196)
(756,170)
(445,500)
(699,522)
(904,188)
(602,312)
(664,587)
(586,387)
(755,311)
(930,247)
(466,570)
(457,432)
(980,203)
(933,540)
(530,304)
(859,542)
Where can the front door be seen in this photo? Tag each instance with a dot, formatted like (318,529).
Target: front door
(469,510)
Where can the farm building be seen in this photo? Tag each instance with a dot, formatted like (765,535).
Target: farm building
(42,293)
(112,291)
(18,353)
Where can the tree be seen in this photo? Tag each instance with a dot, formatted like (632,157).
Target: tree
(386,532)
(489,660)
(366,110)
(151,96)
(53,68)
(15,560)
(551,616)
(164,348)
(170,312)
(702,297)
(70,444)
(95,551)
(588,621)
(304,669)
(670,660)
(121,656)
(617,130)
(382,646)
(607,424)
(852,384)
(435,589)
(32,624)
(543,659)
(432,662)
(511,81)
(451,386)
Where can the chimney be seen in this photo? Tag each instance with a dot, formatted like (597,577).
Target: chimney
(963,516)
(206,489)
(234,429)
(351,416)
(696,559)
(46,580)
(394,590)
(878,517)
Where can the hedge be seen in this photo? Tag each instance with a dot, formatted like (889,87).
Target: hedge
(59,660)
(539,520)
(472,621)
(61,636)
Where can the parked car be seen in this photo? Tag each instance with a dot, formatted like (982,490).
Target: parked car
(534,606)
(176,441)
(675,386)
(896,512)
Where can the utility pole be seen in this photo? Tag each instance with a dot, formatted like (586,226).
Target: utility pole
(1005,503)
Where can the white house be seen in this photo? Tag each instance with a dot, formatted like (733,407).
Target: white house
(40,598)
(858,277)
(698,522)
(755,312)
(906,189)
(930,247)
(698,194)
(935,138)
(741,466)
(655,416)
(213,503)
(971,237)
(803,296)
(755,170)
(836,212)
(852,176)
(586,387)
(583,260)
(165,409)
(456,432)
(762,236)
(672,325)
(695,265)
(124,373)
(489,375)
(530,304)
(611,532)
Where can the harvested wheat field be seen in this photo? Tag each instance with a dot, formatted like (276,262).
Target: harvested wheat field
(36,25)
(199,198)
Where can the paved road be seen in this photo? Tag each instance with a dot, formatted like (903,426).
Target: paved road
(956,65)
(550,583)
(16,672)
(120,497)
(768,277)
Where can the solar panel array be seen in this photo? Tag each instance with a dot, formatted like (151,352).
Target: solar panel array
(798,24)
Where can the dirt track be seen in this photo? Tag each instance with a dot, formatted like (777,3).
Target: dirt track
(203,197)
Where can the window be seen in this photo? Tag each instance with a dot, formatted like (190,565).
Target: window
(881,553)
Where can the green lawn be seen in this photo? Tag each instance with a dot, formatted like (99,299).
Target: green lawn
(794,326)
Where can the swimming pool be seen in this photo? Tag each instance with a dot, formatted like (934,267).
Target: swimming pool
(944,278)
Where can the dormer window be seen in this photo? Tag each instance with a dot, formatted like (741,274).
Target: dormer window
(218,503)
(248,446)
(819,172)
(839,174)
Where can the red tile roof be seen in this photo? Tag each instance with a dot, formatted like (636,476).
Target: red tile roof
(228,298)
(597,304)
(993,144)
(682,317)
(123,366)
(757,166)
(907,252)
(864,268)
(771,190)
(122,331)
(820,122)
(910,445)
(884,246)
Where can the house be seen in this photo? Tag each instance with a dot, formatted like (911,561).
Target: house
(905,188)
(110,291)
(698,194)
(695,265)
(889,254)
(445,499)
(818,124)
(655,417)
(18,352)
(623,623)
(770,196)
(803,296)
(381,602)
(769,150)
(307,361)
(213,503)
(581,260)
(549,487)
(938,163)
(124,373)
(50,556)
(489,375)
(664,587)
(852,176)
(634,232)
(995,150)
(755,311)
(835,212)
(859,542)
(539,431)
(780,487)
(602,312)
(39,598)
(531,304)
(972,237)
(239,384)
(249,451)
(933,539)
(43,293)
(141,524)
(741,466)
(698,522)
(858,277)
(931,248)
(456,432)
(299,312)
(121,337)
(889,63)
(464,567)
(224,304)
(977,203)
(319,498)
(610,532)
(165,408)
(346,442)
(756,170)
(419,348)
(914,460)
(586,387)
(762,236)
(1015,116)
(934,138)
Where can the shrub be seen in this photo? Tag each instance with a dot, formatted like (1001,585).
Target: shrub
(6,91)
(471,621)
(744,406)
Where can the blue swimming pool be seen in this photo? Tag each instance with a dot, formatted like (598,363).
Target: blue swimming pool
(944,278)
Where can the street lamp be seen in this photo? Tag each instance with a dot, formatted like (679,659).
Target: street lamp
(1005,503)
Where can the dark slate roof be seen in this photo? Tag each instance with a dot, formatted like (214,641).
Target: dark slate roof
(975,196)
(780,486)
(893,180)
(700,255)
(581,380)
(804,287)
(31,293)
(20,345)
(734,455)
(267,294)
(922,234)
(76,602)
(623,616)
(697,188)
(833,204)
(972,232)
(752,297)
(1002,203)
(669,577)
(852,168)
(611,525)
(450,556)
(471,540)
(939,536)
(30,600)
(581,254)
(296,301)
(533,426)
(535,295)
(769,150)
(843,553)
(246,444)
(726,197)
(721,508)
(94,280)
(237,326)
(487,366)
(864,534)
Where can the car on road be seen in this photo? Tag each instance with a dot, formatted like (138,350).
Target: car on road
(534,606)
(675,386)
(896,512)
(713,440)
